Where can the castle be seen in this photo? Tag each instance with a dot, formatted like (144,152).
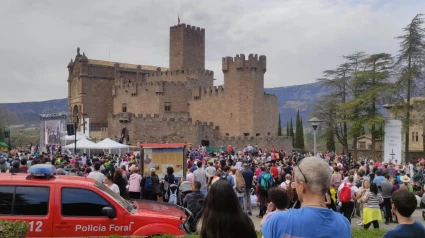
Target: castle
(148,104)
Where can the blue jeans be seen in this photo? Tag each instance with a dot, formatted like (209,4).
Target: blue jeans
(241,201)
(204,191)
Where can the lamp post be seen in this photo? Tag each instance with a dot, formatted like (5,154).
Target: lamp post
(314,123)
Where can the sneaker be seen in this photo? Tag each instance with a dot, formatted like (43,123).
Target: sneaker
(250,213)
(387,223)
(360,223)
(259,216)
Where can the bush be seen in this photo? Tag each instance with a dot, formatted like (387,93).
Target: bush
(16,229)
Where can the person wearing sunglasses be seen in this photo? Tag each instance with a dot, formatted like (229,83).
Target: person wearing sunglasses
(312,177)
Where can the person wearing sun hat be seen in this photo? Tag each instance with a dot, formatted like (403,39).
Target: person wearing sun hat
(406,182)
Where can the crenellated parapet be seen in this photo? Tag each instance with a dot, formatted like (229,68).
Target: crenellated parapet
(169,75)
(183,26)
(208,92)
(140,118)
(240,63)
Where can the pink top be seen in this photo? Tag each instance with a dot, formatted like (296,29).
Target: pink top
(134,182)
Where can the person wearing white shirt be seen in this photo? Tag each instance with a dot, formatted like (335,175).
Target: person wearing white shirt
(96,175)
(111,185)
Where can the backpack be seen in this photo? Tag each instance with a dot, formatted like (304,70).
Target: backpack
(345,195)
(173,197)
(240,189)
(195,208)
(224,177)
(266,181)
(148,184)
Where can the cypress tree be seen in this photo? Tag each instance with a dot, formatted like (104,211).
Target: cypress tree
(298,132)
(279,129)
(291,132)
(302,134)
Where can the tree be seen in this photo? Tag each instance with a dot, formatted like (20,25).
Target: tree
(330,139)
(299,134)
(279,129)
(291,132)
(329,107)
(302,134)
(6,118)
(372,86)
(410,62)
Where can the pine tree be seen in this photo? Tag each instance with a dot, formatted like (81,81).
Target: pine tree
(410,60)
(291,132)
(279,129)
(372,85)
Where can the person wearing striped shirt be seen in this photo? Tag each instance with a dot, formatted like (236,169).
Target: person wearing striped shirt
(371,211)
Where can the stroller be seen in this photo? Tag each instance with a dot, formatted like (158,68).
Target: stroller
(185,188)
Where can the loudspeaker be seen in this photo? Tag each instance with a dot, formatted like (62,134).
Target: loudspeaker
(70,129)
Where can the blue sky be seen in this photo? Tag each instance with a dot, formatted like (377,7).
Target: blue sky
(300,38)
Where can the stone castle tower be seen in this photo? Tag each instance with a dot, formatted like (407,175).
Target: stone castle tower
(150,104)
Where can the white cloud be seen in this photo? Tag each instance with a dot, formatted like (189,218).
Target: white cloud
(300,38)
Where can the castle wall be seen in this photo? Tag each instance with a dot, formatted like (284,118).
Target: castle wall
(270,116)
(151,97)
(215,104)
(262,142)
(202,78)
(187,47)
(153,129)
(97,100)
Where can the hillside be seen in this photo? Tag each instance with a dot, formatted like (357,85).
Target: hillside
(290,99)
(297,97)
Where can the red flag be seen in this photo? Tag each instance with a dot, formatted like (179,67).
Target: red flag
(178,19)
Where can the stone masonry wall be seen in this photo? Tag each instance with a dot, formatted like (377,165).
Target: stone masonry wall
(187,47)
(153,129)
(265,142)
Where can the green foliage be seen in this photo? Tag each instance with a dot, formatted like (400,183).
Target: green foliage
(291,132)
(16,229)
(279,129)
(330,139)
(299,133)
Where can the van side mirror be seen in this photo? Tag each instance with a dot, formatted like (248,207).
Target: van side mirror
(109,212)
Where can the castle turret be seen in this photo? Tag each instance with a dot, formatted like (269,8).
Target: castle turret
(244,78)
(187,47)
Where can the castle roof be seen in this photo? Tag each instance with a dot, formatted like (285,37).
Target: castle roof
(125,65)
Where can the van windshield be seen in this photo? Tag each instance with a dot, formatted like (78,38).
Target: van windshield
(126,204)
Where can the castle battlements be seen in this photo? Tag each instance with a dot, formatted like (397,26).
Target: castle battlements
(188,27)
(122,83)
(174,73)
(241,63)
(208,92)
(156,118)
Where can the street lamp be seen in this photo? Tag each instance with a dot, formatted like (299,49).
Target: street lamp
(314,123)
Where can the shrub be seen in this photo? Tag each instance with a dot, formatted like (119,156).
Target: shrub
(16,229)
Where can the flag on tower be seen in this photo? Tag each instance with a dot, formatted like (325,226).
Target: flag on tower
(178,19)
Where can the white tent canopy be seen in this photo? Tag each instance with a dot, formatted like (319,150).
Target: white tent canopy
(110,144)
(82,144)
(72,138)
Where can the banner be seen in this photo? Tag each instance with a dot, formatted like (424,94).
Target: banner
(161,159)
(393,141)
(53,132)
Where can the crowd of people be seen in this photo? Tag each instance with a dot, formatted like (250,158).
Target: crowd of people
(293,191)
